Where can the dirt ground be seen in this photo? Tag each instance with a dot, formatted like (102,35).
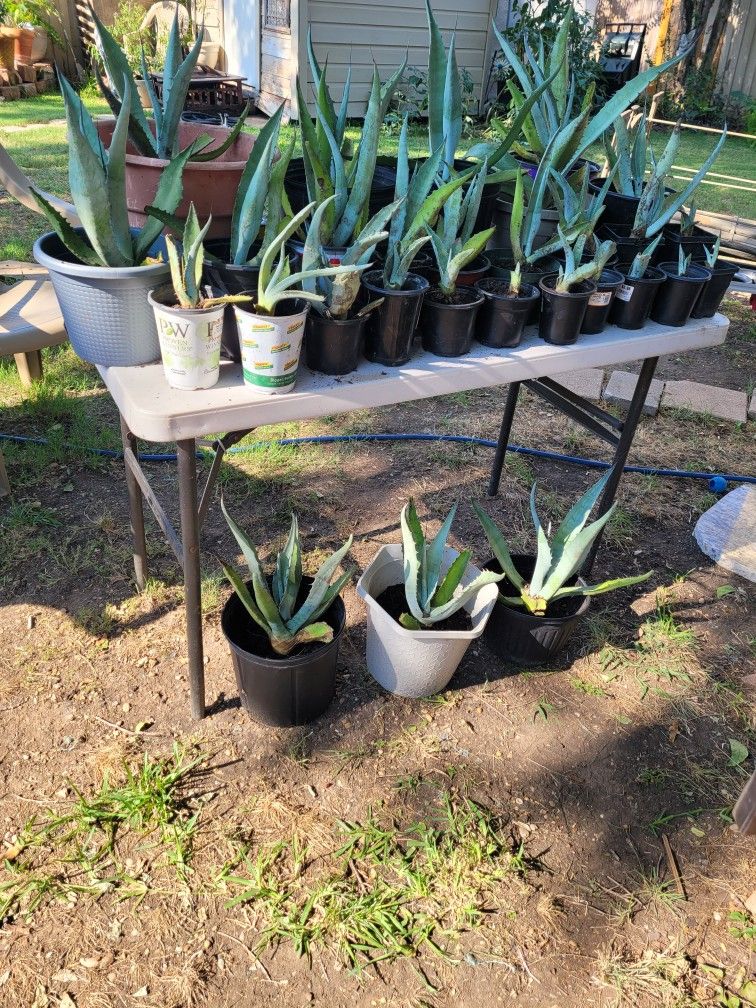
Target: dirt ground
(610,871)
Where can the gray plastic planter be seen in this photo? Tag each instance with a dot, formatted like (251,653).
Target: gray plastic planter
(108,318)
(416,663)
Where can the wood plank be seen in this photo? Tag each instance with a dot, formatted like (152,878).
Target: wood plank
(275,44)
(275,67)
(409,17)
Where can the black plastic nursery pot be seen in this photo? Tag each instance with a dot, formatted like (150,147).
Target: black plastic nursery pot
(501,317)
(714,290)
(391,327)
(468,277)
(447,327)
(677,295)
(282,691)
(599,303)
(562,314)
(334,346)
(633,299)
(236,280)
(619,209)
(381,187)
(517,635)
(628,247)
(692,244)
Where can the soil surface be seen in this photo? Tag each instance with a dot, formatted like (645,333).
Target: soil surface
(393,600)
(575,820)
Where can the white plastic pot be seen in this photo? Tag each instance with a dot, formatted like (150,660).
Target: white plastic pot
(270,348)
(416,663)
(190,341)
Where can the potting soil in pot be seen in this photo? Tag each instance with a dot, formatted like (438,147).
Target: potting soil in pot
(394,601)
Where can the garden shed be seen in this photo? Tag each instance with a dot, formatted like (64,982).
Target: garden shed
(357,33)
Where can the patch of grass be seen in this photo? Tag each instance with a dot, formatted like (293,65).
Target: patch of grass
(387,891)
(658,978)
(589,688)
(78,851)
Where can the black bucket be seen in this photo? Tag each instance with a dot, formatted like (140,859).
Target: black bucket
(334,346)
(628,247)
(562,314)
(447,329)
(282,691)
(677,296)
(714,290)
(517,635)
(235,280)
(391,327)
(633,299)
(619,209)
(693,244)
(600,302)
(501,318)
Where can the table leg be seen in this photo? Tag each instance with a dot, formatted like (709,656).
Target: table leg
(501,445)
(622,451)
(136,511)
(187,474)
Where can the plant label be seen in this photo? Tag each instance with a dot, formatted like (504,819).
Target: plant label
(625,291)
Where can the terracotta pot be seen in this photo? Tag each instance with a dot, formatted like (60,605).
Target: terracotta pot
(8,37)
(24,43)
(39,45)
(210,185)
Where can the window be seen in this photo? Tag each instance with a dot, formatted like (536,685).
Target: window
(278,14)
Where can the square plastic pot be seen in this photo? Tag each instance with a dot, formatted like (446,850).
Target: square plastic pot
(416,663)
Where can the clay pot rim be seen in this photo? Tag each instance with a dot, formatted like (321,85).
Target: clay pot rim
(217,132)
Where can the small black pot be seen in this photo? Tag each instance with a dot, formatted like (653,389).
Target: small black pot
(633,299)
(692,244)
(447,329)
(236,280)
(714,290)
(334,346)
(282,691)
(599,303)
(391,327)
(627,246)
(501,318)
(678,294)
(562,314)
(517,635)
(619,209)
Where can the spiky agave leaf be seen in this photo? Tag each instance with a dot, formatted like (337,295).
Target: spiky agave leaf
(249,203)
(288,574)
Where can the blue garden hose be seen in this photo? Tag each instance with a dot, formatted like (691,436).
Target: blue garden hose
(717,483)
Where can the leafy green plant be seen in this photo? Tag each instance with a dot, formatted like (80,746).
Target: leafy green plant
(276,283)
(327,170)
(38,13)
(712,254)
(558,561)
(97,180)
(574,270)
(274,607)
(340,292)
(177,74)
(430,596)
(683,261)
(627,153)
(186,267)
(640,263)
(454,244)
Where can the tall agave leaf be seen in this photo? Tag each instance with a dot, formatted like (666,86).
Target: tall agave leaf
(288,573)
(436,82)
(175,89)
(365,166)
(252,193)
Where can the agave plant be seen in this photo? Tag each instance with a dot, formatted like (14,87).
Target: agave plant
(688,220)
(575,270)
(656,207)
(558,560)
(712,254)
(273,606)
(683,261)
(186,268)
(454,244)
(97,180)
(431,595)
(277,283)
(177,75)
(640,263)
(340,292)
(327,171)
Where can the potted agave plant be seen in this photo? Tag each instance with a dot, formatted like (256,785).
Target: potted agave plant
(271,329)
(542,599)
(103,270)
(284,632)
(335,332)
(655,204)
(450,308)
(634,297)
(189,322)
(566,296)
(686,235)
(213,172)
(426,603)
(714,289)
(682,286)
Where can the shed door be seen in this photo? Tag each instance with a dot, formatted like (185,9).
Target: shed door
(241,30)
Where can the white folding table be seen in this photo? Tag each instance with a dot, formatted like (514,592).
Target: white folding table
(151,411)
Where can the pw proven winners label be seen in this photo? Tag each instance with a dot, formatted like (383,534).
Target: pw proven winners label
(270,350)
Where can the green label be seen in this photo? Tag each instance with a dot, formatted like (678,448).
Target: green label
(268,381)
